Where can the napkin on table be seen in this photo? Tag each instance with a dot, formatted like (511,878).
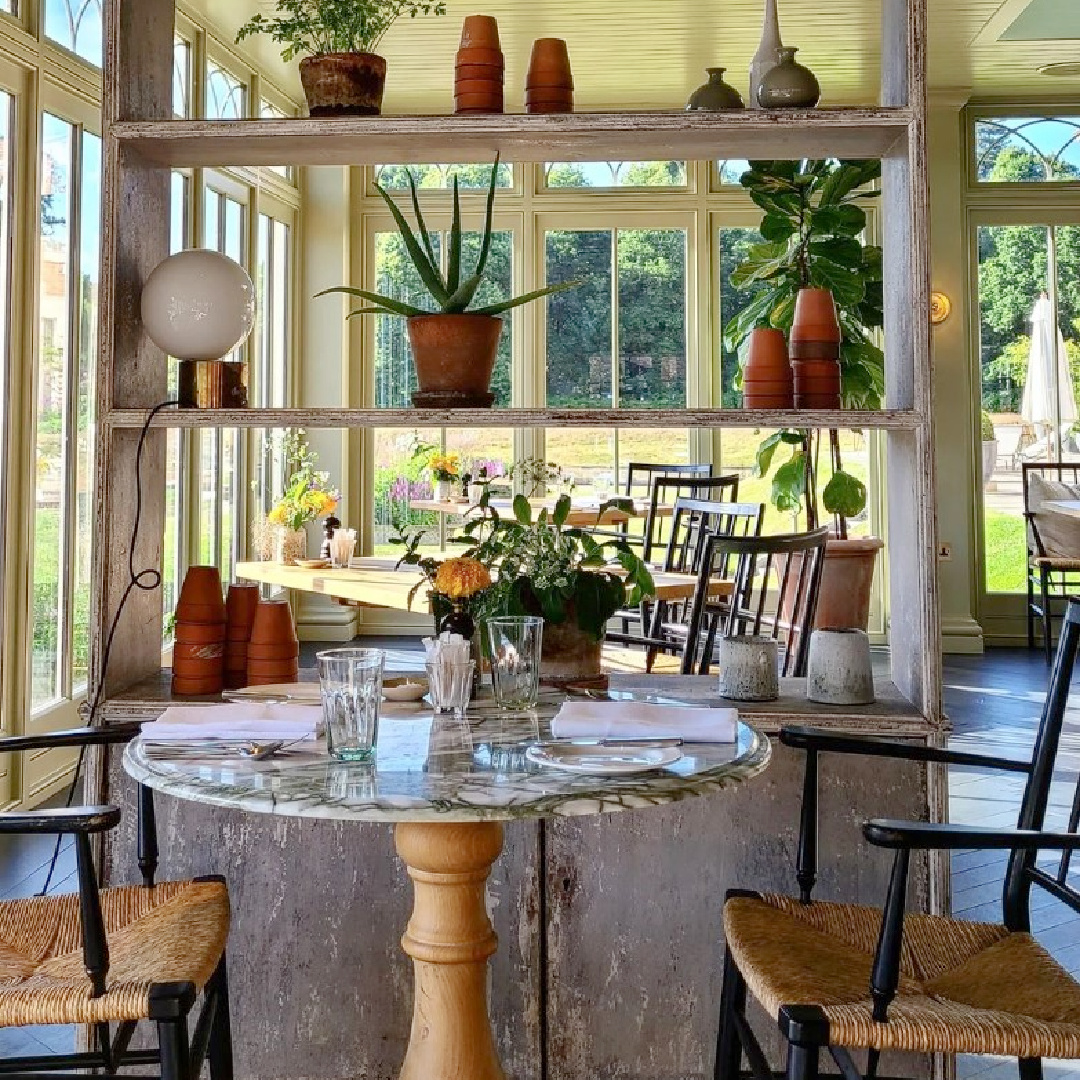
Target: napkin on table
(240,721)
(643,720)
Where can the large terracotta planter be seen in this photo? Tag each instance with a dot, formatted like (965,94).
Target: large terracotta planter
(569,655)
(454,357)
(846,580)
(343,84)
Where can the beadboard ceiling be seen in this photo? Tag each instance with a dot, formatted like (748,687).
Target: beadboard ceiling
(652,53)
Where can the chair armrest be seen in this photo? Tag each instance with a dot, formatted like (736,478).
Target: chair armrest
(804,738)
(72,819)
(926,836)
(109,735)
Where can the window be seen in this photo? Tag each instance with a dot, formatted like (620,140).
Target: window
(469,177)
(1027,149)
(77,26)
(67,302)
(615,174)
(182,103)
(730,172)
(226,95)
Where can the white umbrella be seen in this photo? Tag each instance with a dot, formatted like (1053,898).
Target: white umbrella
(1047,353)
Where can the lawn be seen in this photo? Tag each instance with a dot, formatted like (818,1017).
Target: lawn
(1004,559)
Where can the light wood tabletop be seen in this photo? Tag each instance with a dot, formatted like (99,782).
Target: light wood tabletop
(374,582)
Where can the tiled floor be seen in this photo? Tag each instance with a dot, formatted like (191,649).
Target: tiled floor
(994,702)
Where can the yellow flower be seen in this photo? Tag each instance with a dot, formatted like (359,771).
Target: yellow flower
(277,515)
(445,466)
(461,578)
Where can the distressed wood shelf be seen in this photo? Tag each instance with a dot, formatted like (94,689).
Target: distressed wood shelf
(886,419)
(793,133)
(891,714)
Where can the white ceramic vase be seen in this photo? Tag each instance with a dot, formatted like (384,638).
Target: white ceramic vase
(748,669)
(839,670)
(444,490)
(767,55)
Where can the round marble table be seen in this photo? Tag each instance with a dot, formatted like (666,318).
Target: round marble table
(447,786)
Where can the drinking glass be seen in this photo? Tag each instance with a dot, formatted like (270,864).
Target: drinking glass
(450,686)
(351,683)
(515,659)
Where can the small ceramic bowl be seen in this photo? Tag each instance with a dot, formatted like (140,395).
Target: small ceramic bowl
(313,564)
(404,688)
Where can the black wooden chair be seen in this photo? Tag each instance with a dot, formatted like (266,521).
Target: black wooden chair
(694,523)
(1053,545)
(105,957)
(792,562)
(843,977)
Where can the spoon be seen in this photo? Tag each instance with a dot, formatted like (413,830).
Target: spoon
(261,751)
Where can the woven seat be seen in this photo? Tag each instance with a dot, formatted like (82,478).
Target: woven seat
(1055,562)
(169,933)
(964,987)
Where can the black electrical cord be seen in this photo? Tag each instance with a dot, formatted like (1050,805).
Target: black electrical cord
(146,581)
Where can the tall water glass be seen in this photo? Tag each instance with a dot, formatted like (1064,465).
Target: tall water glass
(351,683)
(515,659)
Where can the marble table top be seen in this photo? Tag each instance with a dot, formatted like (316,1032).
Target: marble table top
(432,768)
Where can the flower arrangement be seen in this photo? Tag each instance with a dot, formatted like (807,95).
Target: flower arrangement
(308,492)
(445,468)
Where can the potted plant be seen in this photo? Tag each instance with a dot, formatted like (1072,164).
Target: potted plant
(541,567)
(308,496)
(989,448)
(340,72)
(454,345)
(811,240)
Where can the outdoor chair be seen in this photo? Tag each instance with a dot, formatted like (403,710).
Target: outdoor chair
(843,977)
(105,957)
(1053,544)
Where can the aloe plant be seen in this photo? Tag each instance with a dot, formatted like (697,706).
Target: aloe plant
(454,293)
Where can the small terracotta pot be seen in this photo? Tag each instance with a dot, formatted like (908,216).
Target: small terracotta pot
(480,31)
(487,57)
(454,357)
(815,350)
(273,652)
(539,107)
(768,401)
(487,87)
(343,84)
(196,687)
(273,680)
(238,634)
(199,633)
(549,97)
(550,62)
(266,668)
(492,102)
(549,80)
(815,317)
(199,659)
(815,370)
(200,596)
(489,73)
(273,624)
(240,605)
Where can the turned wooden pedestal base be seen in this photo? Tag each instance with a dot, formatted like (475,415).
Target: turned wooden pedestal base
(450,938)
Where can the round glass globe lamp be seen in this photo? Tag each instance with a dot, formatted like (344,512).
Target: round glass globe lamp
(198,305)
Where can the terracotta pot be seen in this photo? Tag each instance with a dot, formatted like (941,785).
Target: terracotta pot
(200,596)
(768,374)
(266,668)
(486,87)
(846,580)
(549,97)
(480,31)
(199,633)
(815,350)
(568,654)
(454,357)
(817,384)
(767,401)
(492,73)
(538,107)
(479,103)
(273,680)
(815,317)
(343,84)
(273,652)
(487,57)
(186,657)
(550,62)
(196,687)
(240,606)
(273,624)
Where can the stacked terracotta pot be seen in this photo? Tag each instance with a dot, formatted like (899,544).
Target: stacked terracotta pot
(480,69)
(199,648)
(768,382)
(273,653)
(240,605)
(549,87)
(815,350)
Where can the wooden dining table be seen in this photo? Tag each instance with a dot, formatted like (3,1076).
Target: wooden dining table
(379,583)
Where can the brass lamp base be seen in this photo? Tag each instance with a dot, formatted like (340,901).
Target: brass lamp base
(211,384)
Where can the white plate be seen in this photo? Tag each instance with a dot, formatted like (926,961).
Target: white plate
(603,760)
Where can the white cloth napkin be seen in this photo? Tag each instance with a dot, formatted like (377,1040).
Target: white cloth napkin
(643,720)
(179,723)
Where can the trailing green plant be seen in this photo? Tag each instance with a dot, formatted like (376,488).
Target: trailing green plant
(542,567)
(454,292)
(317,27)
(811,238)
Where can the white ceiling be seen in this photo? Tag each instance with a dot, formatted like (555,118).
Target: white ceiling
(650,54)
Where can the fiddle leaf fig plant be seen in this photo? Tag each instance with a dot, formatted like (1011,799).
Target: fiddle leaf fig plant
(811,233)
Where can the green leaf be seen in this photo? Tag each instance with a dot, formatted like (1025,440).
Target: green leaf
(767,451)
(844,495)
(562,511)
(453,260)
(463,296)
(789,484)
(847,286)
(397,307)
(775,227)
(522,510)
(528,298)
(429,273)
(845,179)
(837,220)
(485,246)
(422,225)
(845,251)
